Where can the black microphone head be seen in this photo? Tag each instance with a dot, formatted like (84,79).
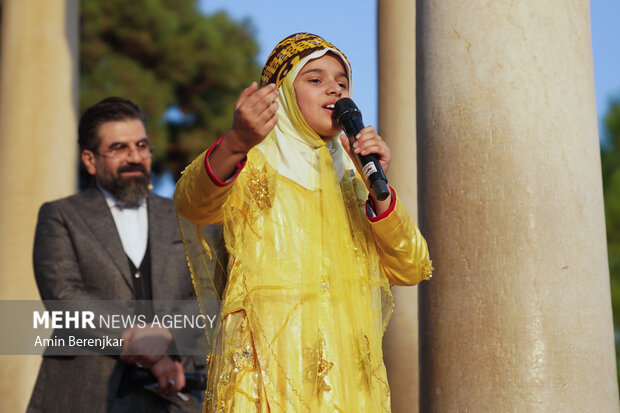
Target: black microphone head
(345,107)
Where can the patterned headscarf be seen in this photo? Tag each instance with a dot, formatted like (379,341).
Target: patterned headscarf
(289,52)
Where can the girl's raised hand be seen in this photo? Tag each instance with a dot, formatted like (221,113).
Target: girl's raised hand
(254,117)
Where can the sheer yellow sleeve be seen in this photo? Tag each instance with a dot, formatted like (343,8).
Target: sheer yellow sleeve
(402,249)
(197,198)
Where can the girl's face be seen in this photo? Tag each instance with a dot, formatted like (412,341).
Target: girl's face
(319,84)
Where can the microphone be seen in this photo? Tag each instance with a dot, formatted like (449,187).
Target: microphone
(349,118)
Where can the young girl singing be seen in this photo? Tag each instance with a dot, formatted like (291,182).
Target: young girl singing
(311,256)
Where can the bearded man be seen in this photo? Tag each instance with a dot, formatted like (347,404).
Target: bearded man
(113,241)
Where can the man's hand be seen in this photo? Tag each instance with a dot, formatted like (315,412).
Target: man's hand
(170,376)
(145,346)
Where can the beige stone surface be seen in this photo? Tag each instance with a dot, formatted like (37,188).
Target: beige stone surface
(517,317)
(397,106)
(37,150)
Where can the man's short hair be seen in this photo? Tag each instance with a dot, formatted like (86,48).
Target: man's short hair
(112,109)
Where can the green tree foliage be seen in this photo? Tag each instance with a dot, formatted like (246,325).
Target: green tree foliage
(610,161)
(160,53)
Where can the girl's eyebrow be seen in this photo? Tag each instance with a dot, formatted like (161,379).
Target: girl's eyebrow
(319,70)
(314,70)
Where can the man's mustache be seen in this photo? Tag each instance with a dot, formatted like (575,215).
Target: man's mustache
(132,168)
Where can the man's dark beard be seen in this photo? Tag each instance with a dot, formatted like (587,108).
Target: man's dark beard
(129,191)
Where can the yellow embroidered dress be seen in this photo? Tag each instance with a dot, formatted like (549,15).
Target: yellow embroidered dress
(307,294)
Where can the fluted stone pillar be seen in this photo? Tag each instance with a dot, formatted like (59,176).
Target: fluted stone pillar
(38,93)
(517,317)
(397,111)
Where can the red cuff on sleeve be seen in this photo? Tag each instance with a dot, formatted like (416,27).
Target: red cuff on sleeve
(370,204)
(214,178)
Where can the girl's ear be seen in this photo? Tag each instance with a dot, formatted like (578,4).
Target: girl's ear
(88,159)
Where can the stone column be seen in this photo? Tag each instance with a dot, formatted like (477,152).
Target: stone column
(38,99)
(517,317)
(397,112)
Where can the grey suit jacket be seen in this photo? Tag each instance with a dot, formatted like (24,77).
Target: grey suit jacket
(78,255)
